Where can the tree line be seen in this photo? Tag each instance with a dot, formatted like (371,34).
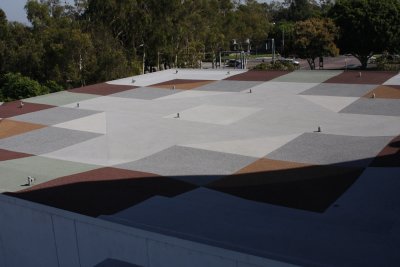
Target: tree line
(99,40)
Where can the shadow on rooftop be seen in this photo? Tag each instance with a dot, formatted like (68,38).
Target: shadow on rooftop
(311,188)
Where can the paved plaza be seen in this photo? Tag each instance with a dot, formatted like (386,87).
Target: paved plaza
(302,166)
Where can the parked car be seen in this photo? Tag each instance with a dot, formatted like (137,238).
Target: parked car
(233,63)
(289,60)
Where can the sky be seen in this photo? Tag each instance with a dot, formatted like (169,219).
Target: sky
(14,9)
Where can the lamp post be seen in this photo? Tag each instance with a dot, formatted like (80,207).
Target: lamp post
(272,48)
(283,40)
(144,57)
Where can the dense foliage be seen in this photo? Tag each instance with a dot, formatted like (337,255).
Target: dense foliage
(315,38)
(367,27)
(92,41)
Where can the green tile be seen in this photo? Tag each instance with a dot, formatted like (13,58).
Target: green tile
(14,173)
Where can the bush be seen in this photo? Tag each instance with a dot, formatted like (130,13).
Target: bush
(278,65)
(14,86)
(53,87)
(388,63)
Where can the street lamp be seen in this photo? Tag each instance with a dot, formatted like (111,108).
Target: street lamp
(144,57)
(272,48)
(283,39)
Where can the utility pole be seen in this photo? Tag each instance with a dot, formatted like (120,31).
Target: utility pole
(283,40)
(273,50)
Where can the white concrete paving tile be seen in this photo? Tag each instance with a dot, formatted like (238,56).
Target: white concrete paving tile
(94,151)
(282,88)
(334,103)
(94,123)
(167,75)
(393,81)
(257,147)
(223,115)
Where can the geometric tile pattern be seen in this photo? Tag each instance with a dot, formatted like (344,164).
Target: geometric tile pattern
(45,140)
(9,155)
(308,76)
(260,146)
(374,106)
(389,156)
(240,170)
(102,191)
(229,86)
(385,91)
(181,84)
(60,98)
(14,172)
(326,149)
(11,109)
(362,77)
(344,90)
(54,115)
(9,127)
(295,185)
(102,89)
(195,166)
(146,93)
(215,114)
(257,76)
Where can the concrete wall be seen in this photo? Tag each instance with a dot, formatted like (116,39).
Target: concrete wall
(36,235)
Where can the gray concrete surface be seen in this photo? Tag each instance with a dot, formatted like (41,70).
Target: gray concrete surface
(54,115)
(45,140)
(348,90)
(321,149)
(191,165)
(146,93)
(374,106)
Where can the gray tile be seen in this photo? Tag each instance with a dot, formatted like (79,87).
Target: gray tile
(319,148)
(54,115)
(333,89)
(191,165)
(45,140)
(228,86)
(146,93)
(376,106)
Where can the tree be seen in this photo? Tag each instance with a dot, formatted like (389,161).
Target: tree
(315,38)
(302,9)
(367,27)
(3,34)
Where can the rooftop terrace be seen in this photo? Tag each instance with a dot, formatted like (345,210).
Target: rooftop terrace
(302,167)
